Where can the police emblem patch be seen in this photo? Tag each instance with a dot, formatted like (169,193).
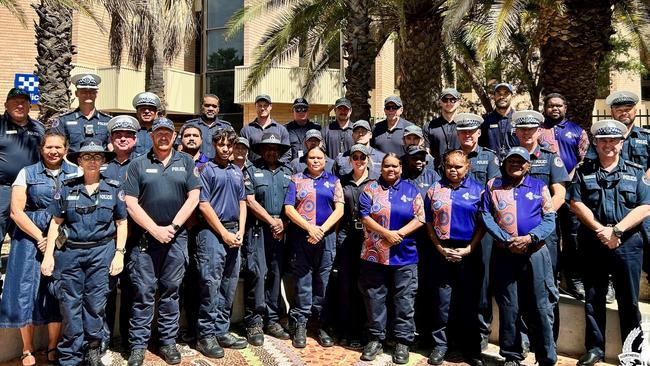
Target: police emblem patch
(645,180)
(57,194)
(196,171)
(55,123)
(558,162)
(121,195)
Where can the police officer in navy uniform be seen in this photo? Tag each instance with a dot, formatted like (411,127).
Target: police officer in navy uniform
(267,181)
(312,139)
(90,211)
(123,129)
(208,122)
(146,106)
(162,190)
(20,138)
(264,123)
(496,130)
(611,197)
(413,135)
(387,134)
(338,134)
(299,127)
(85,121)
(484,165)
(441,131)
(223,208)
(361,134)
(240,153)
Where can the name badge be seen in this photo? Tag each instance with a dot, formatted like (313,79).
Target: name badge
(11,132)
(151,171)
(72,198)
(71,122)
(259,175)
(494,126)
(300,153)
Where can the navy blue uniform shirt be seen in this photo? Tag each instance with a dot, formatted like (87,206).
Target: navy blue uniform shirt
(89,217)
(497,133)
(161,190)
(19,147)
(144,143)
(337,139)
(441,136)
(223,188)
(389,140)
(548,167)
(636,148)
(484,165)
(268,186)
(253,133)
(79,128)
(297,137)
(116,170)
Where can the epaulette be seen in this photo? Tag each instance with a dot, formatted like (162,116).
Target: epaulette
(71,180)
(112,182)
(633,164)
(546,149)
(104,114)
(67,113)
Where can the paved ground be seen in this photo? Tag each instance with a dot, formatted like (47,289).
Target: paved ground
(281,353)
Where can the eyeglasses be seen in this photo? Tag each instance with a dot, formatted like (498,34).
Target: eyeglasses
(391,107)
(359,157)
(449,100)
(94,157)
(301,109)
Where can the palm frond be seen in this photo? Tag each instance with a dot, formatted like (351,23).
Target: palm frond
(85,7)
(454,14)
(503,18)
(16,10)
(249,13)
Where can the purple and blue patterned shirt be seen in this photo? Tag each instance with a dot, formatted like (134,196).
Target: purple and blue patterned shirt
(314,198)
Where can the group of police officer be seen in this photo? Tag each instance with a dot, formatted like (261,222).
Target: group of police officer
(199,217)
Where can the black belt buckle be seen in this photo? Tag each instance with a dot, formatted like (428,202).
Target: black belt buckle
(358,225)
(143,243)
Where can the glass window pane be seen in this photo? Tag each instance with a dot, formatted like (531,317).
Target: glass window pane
(220,11)
(222,84)
(222,54)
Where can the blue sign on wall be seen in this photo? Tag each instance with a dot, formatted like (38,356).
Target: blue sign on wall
(28,82)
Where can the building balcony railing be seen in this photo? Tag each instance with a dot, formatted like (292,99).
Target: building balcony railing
(120,85)
(283,85)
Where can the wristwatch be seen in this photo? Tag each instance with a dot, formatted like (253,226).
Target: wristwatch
(618,232)
(533,238)
(121,250)
(175,227)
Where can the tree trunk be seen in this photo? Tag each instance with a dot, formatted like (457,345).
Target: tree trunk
(572,50)
(475,81)
(54,57)
(154,73)
(361,50)
(420,65)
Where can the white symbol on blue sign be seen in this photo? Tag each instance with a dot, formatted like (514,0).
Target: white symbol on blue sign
(28,82)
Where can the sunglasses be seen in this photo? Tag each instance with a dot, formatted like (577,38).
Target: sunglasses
(359,157)
(449,100)
(92,157)
(391,107)
(301,109)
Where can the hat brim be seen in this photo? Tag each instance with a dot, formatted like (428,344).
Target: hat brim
(609,136)
(343,105)
(74,156)
(527,125)
(257,148)
(527,158)
(467,128)
(300,105)
(87,87)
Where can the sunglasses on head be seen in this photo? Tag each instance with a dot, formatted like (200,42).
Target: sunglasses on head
(359,157)
(301,109)
(391,107)
(449,100)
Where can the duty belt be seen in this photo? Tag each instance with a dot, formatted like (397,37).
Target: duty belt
(87,244)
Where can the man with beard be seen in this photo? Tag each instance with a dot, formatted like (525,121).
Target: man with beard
(192,143)
(496,130)
(208,123)
(570,142)
(441,131)
(338,134)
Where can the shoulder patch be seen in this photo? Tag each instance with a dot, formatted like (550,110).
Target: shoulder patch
(196,171)
(645,180)
(557,161)
(55,123)
(121,195)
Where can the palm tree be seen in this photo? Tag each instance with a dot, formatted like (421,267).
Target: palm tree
(154,32)
(314,28)
(16,10)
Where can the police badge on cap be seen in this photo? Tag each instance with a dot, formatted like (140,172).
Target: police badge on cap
(527,119)
(86,81)
(608,128)
(146,99)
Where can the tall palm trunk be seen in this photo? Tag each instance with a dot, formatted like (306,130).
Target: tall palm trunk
(361,50)
(420,65)
(54,57)
(154,73)
(572,50)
